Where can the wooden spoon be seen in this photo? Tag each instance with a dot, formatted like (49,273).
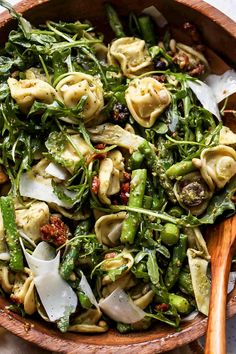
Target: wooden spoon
(221,242)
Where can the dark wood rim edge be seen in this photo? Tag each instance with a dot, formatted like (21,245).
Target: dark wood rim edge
(200,6)
(18,327)
(152,346)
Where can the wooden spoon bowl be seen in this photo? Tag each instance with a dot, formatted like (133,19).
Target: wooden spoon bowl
(215,28)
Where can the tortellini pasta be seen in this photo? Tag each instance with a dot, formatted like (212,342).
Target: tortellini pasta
(23,291)
(77,85)
(217,165)
(131,55)
(189,58)
(31,219)
(198,259)
(5,278)
(146,99)
(88,322)
(122,263)
(110,175)
(108,228)
(193,193)
(227,136)
(25,92)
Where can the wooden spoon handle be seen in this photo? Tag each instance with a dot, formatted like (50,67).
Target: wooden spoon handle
(221,246)
(215,339)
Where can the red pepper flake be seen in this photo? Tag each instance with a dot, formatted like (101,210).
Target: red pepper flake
(95,184)
(162,307)
(55,232)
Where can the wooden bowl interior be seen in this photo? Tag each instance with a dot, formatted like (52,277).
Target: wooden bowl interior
(160,338)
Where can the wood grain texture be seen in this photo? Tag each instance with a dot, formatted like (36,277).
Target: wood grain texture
(219,33)
(221,242)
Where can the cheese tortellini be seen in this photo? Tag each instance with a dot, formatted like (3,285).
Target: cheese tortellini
(146,99)
(110,175)
(25,92)
(77,85)
(23,291)
(131,55)
(108,228)
(217,165)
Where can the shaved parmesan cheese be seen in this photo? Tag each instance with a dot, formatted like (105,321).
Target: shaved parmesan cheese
(56,171)
(37,187)
(156,15)
(206,96)
(222,85)
(85,287)
(190,317)
(121,308)
(4,256)
(56,295)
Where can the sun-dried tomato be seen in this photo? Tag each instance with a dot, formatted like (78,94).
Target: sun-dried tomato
(95,184)
(56,231)
(162,307)
(100,146)
(124,192)
(126,176)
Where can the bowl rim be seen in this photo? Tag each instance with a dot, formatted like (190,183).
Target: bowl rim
(198,5)
(20,326)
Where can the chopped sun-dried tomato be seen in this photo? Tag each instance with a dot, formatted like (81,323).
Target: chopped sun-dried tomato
(124,192)
(100,146)
(162,307)
(95,184)
(55,232)
(126,176)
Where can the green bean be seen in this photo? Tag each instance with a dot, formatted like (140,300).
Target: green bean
(137,189)
(154,165)
(180,303)
(114,21)
(170,234)
(147,29)
(185,282)
(68,263)
(180,169)
(174,267)
(135,160)
(11,234)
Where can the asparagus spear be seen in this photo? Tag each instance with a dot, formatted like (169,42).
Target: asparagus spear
(147,29)
(180,303)
(12,236)
(135,160)
(185,282)
(180,169)
(114,21)
(173,270)
(137,189)
(157,169)
(68,264)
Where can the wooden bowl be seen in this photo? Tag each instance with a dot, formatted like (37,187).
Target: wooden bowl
(219,34)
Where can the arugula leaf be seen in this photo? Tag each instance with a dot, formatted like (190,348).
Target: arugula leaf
(152,267)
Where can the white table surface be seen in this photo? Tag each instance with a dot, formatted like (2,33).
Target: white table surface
(10,344)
